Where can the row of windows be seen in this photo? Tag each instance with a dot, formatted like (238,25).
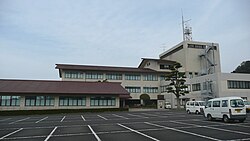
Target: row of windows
(150,77)
(150,89)
(74,75)
(39,101)
(238,84)
(225,103)
(132,77)
(63,101)
(94,76)
(102,101)
(114,76)
(145,89)
(72,101)
(9,100)
(133,89)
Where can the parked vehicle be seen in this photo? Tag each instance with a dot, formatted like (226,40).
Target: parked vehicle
(168,105)
(247,105)
(226,108)
(195,107)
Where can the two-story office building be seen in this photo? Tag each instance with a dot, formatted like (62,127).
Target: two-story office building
(137,81)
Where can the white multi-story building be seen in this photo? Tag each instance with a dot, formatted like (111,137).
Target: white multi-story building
(200,61)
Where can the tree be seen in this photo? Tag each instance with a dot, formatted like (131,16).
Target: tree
(244,67)
(177,82)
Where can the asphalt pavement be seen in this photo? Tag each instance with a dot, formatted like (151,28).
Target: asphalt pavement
(161,125)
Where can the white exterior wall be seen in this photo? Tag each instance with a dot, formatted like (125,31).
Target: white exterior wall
(225,91)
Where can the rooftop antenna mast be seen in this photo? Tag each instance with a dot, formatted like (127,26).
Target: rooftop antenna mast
(186,29)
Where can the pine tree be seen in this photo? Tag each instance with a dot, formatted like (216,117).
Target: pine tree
(177,82)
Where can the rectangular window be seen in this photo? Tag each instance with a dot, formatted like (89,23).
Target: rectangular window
(150,89)
(165,66)
(114,76)
(196,46)
(9,100)
(73,75)
(133,89)
(39,101)
(204,85)
(72,101)
(102,101)
(91,75)
(232,84)
(136,77)
(224,103)
(216,103)
(196,87)
(150,77)
(190,75)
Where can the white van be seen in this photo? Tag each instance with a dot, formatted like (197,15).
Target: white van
(168,105)
(226,108)
(195,107)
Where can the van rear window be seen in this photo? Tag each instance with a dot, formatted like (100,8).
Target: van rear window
(237,103)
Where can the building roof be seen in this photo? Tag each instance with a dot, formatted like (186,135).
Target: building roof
(61,88)
(103,68)
(159,61)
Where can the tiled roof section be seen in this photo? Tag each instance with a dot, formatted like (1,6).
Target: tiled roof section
(61,87)
(103,68)
(160,61)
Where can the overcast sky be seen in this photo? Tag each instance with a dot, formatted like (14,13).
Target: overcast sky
(37,34)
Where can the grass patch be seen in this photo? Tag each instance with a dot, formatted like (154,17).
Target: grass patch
(58,111)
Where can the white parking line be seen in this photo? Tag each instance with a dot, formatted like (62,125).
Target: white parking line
(98,139)
(41,120)
(138,132)
(83,118)
(11,133)
(226,130)
(19,120)
(62,119)
(51,134)
(120,116)
(102,117)
(150,115)
(182,131)
(137,116)
(5,119)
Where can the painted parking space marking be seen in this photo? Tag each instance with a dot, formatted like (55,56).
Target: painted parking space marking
(120,116)
(98,139)
(83,118)
(5,119)
(182,131)
(138,116)
(11,133)
(19,120)
(102,117)
(138,132)
(63,119)
(41,119)
(50,134)
(209,127)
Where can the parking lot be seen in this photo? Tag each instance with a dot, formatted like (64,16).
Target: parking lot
(123,126)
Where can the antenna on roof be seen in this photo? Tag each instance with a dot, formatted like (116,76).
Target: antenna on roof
(186,29)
